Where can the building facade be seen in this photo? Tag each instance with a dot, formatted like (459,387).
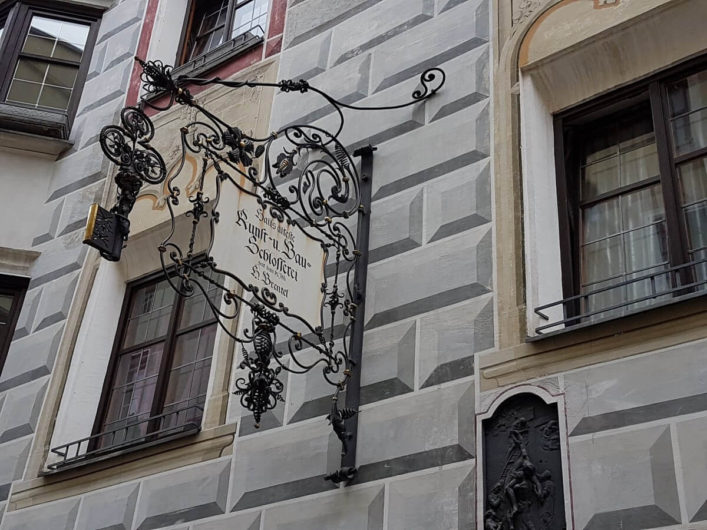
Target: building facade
(535,327)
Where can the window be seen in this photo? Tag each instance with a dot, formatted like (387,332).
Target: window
(48,63)
(12,292)
(212,23)
(45,56)
(159,370)
(633,171)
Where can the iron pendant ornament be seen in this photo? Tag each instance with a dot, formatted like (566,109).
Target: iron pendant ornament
(304,182)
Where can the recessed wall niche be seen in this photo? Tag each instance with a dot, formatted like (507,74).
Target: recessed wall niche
(523,466)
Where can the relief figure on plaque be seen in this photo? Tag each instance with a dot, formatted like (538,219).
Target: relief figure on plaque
(522,467)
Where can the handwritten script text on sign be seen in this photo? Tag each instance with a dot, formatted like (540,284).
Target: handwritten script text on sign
(267,253)
(274,245)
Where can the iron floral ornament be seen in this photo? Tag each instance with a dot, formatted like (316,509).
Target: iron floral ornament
(305,183)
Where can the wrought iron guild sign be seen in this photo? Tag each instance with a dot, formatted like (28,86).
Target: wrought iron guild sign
(306,192)
(523,467)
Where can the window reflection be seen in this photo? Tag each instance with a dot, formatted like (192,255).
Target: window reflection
(46,71)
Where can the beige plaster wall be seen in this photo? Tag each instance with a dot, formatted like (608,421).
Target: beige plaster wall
(575,53)
(575,22)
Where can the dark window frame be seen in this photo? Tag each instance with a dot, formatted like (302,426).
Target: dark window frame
(652,91)
(169,340)
(183,50)
(15,286)
(18,16)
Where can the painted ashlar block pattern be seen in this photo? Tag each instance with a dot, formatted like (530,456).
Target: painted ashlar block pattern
(438,497)
(430,293)
(429,298)
(77,181)
(636,438)
(108,508)
(608,464)
(431,217)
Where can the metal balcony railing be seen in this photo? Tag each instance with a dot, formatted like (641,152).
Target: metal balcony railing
(133,435)
(665,287)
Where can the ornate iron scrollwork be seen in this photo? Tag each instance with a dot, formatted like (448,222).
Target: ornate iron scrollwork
(303,178)
(523,467)
(127,146)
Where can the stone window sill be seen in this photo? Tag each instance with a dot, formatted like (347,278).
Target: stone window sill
(15,261)
(653,329)
(212,59)
(34,121)
(637,315)
(32,130)
(217,56)
(173,453)
(139,446)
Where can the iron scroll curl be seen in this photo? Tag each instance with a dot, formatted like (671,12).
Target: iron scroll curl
(302,177)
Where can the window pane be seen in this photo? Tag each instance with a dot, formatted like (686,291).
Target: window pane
(55,97)
(645,247)
(693,180)
(51,84)
(24,92)
(39,46)
(5,306)
(133,390)
(194,346)
(688,94)
(251,18)
(601,220)
(244,15)
(602,260)
(600,177)
(612,296)
(617,151)
(189,375)
(208,26)
(30,70)
(200,46)
(701,269)
(600,148)
(696,222)
(196,309)
(690,132)
(56,38)
(649,286)
(68,52)
(693,192)
(642,207)
(45,27)
(61,76)
(639,163)
(150,311)
(221,16)
(215,39)
(688,108)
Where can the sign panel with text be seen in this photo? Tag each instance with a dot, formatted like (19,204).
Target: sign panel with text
(269,254)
